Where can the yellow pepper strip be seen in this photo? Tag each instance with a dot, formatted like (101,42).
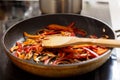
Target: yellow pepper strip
(31,36)
(29,41)
(100,51)
(14,48)
(21,56)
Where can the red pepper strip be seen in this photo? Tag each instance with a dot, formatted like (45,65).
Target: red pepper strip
(81,32)
(37,48)
(91,52)
(68,50)
(76,30)
(72,34)
(27,49)
(61,54)
(19,46)
(71,25)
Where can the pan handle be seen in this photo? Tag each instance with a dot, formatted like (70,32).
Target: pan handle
(117,31)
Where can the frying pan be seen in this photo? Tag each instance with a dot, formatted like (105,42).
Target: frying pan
(91,25)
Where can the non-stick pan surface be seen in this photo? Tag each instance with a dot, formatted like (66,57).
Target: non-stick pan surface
(90,25)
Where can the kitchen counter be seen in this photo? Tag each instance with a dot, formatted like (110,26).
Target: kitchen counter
(108,71)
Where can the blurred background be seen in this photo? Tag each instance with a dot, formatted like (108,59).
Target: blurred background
(12,11)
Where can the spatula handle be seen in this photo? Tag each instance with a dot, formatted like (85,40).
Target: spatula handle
(103,42)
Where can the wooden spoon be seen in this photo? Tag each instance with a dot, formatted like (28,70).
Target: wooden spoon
(54,41)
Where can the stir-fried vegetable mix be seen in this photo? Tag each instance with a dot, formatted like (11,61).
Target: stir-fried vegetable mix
(31,47)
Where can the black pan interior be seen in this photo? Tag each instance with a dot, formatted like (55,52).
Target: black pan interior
(90,25)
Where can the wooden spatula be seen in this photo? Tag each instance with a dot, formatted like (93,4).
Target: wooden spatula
(54,41)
